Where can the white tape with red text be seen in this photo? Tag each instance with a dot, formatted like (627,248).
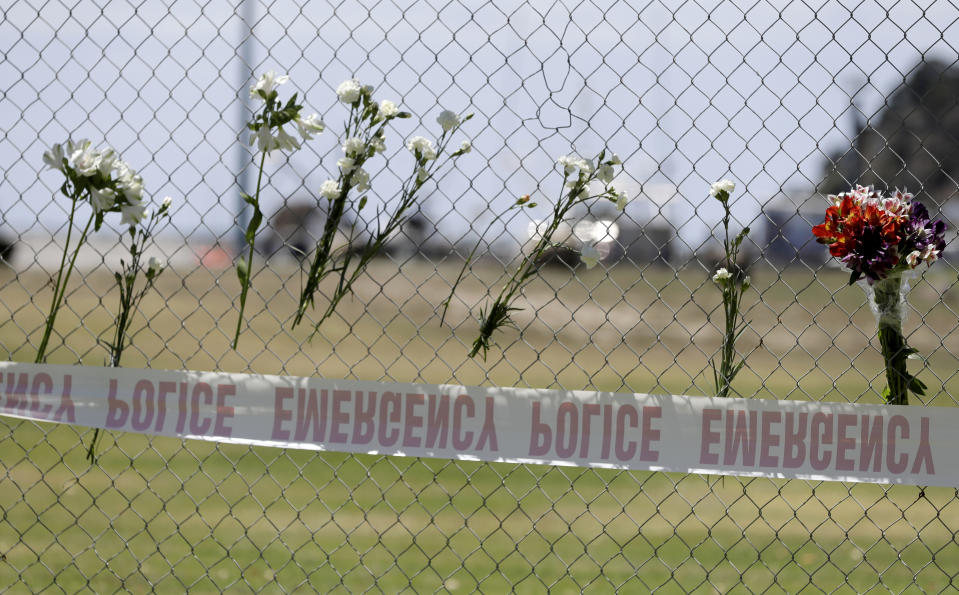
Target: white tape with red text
(812,440)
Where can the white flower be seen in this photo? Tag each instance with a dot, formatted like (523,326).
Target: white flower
(388,109)
(154,266)
(349,91)
(346,164)
(264,140)
(166,203)
(102,199)
(85,159)
(268,143)
(309,126)
(721,186)
(589,256)
(615,160)
(448,120)
(54,157)
(108,159)
(286,141)
(913,258)
(267,83)
(722,275)
(568,163)
(605,173)
(622,199)
(422,147)
(330,189)
(422,174)
(930,254)
(581,193)
(354,146)
(73,146)
(125,173)
(362,179)
(466,147)
(132,187)
(132,214)
(378,143)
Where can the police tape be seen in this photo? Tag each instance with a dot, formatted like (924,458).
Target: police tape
(747,437)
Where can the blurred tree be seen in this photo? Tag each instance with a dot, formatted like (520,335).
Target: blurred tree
(912,143)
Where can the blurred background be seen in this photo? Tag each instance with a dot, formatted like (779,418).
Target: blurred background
(790,100)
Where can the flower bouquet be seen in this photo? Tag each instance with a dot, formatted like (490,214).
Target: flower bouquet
(97,177)
(364,138)
(879,238)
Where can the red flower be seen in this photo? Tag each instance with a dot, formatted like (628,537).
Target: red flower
(862,234)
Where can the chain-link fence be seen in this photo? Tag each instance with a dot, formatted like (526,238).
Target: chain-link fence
(791,99)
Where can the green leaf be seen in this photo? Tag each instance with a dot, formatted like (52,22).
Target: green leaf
(248,199)
(255,221)
(918,387)
(242,271)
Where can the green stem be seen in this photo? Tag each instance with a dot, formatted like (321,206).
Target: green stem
(498,314)
(732,302)
(886,294)
(251,240)
(63,279)
(323,250)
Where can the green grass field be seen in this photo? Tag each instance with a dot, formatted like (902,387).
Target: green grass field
(171,515)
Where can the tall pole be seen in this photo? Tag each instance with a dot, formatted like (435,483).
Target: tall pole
(245,52)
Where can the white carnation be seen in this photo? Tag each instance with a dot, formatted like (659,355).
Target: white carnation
(346,164)
(349,91)
(605,173)
(422,146)
(622,199)
(388,109)
(354,146)
(362,179)
(330,189)
(721,186)
(448,120)
(722,275)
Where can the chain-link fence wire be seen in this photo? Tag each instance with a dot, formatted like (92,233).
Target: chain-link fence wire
(792,100)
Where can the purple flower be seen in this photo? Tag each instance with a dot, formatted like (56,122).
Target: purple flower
(921,235)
